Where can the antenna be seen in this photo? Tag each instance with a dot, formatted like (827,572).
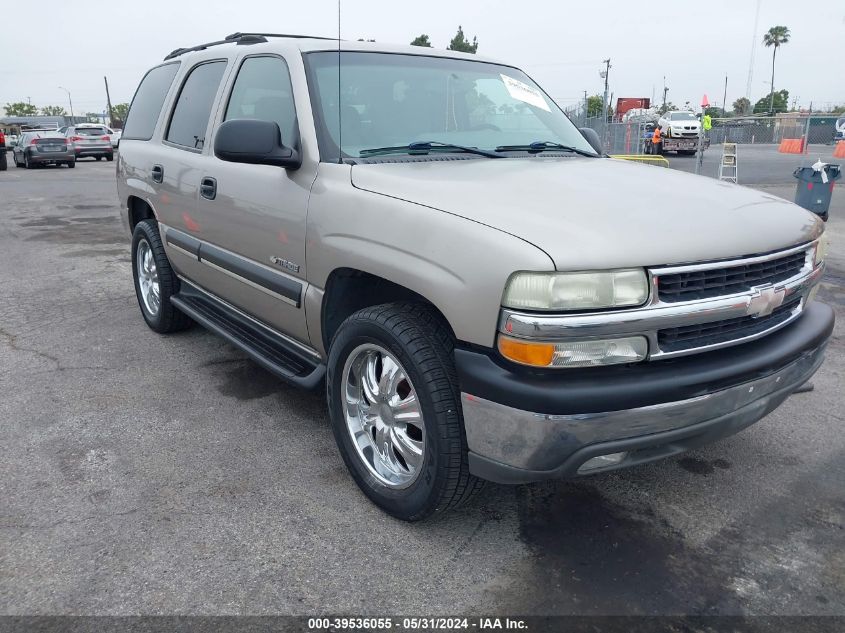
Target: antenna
(753,49)
(339,110)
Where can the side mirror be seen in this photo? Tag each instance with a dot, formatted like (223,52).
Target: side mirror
(593,139)
(254,142)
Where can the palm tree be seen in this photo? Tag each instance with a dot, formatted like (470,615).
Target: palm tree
(776,36)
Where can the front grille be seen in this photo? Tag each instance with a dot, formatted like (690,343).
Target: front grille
(691,336)
(717,282)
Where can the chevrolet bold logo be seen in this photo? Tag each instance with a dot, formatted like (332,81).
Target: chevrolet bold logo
(765,300)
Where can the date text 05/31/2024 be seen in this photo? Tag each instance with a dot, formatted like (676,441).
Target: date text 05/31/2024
(411,624)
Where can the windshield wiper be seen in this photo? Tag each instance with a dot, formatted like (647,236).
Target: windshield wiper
(542,146)
(424,147)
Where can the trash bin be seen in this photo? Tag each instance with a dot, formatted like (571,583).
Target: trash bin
(815,187)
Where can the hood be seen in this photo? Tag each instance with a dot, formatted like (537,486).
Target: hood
(589,213)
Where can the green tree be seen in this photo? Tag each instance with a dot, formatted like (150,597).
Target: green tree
(118,114)
(776,37)
(461,43)
(20,108)
(53,111)
(594,104)
(771,103)
(421,40)
(838,109)
(741,106)
(715,112)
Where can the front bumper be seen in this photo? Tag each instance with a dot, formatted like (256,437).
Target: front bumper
(525,426)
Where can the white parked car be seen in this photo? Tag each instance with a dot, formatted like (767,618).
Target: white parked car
(115,137)
(679,124)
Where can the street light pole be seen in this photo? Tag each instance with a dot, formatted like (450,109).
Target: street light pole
(70,101)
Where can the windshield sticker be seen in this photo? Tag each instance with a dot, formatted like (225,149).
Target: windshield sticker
(525,93)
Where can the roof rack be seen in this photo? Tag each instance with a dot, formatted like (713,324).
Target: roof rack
(238,35)
(241,39)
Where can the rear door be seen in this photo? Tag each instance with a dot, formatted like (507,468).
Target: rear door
(175,169)
(253,216)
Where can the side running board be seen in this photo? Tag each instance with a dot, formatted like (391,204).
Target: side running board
(273,352)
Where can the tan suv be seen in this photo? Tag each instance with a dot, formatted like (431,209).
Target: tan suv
(484,295)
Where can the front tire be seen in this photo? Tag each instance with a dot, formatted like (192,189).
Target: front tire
(395,410)
(155,281)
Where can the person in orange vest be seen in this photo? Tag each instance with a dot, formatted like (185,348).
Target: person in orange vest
(656,143)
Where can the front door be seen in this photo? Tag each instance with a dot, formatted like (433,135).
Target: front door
(253,216)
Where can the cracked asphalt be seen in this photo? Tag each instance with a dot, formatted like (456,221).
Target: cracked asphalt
(147,474)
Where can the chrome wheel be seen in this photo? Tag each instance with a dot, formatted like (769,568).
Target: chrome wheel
(148,284)
(383,416)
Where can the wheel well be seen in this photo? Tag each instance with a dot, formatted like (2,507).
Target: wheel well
(349,290)
(138,210)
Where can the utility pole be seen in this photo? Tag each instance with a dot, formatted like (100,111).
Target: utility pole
(586,108)
(606,74)
(108,102)
(725,98)
(665,92)
(69,101)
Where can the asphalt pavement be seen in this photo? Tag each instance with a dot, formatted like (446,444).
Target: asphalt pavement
(148,474)
(757,164)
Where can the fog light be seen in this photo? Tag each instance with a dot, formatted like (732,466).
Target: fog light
(602,461)
(585,353)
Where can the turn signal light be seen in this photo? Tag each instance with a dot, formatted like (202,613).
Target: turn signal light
(575,353)
(527,353)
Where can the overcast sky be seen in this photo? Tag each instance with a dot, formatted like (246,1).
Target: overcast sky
(559,43)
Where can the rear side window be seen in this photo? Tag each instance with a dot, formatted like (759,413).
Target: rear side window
(193,107)
(263,91)
(146,106)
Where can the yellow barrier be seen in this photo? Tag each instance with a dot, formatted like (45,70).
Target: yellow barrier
(648,159)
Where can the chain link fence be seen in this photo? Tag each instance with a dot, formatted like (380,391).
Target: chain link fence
(813,128)
(629,137)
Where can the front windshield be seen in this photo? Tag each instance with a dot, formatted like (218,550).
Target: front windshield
(389,100)
(683,116)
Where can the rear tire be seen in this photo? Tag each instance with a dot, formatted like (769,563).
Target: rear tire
(99,157)
(413,369)
(157,281)
(110,157)
(71,164)
(26,162)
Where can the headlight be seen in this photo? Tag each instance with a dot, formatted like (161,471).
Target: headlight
(584,353)
(576,291)
(821,250)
